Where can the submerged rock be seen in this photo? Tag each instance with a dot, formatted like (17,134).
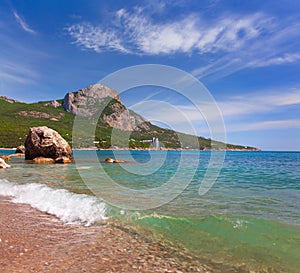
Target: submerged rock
(63,160)
(3,164)
(45,142)
(118,161)
(109,160)
(5,157)
(43,160)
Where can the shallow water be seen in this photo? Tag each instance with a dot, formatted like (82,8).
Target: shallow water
(250,217)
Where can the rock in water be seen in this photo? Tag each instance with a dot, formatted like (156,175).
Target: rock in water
(43,160)
(45,142)
(3,165)
(63,160)
(20,150)
(109,160)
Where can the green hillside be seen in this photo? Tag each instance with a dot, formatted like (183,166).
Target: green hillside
(17,118)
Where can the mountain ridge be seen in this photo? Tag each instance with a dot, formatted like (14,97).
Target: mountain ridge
(17,117)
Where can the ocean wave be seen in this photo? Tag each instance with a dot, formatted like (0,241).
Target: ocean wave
(67,206)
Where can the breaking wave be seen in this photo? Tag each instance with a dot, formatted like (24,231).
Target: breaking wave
(67,206)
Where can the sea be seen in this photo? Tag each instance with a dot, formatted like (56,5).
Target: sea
(247,217)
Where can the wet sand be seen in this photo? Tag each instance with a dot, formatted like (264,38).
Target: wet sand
(32,241)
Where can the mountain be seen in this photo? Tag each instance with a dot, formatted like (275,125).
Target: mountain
(17,117)
(87,102)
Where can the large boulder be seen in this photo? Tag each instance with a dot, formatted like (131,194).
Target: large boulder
(45,142)
(3,164)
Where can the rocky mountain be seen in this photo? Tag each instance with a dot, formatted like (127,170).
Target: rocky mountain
(86,102)
(90,103)
(83,101)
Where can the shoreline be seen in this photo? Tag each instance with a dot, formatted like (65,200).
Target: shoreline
(33,241)
(165,149)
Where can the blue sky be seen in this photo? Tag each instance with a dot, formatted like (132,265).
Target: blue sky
(246,53)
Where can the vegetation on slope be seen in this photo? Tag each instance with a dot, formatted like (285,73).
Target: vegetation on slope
(17,118)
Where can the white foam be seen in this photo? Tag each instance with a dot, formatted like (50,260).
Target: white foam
(68,206)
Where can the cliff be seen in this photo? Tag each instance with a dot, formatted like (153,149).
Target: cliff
(87,101)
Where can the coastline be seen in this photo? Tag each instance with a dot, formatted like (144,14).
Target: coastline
(33,241)
(150,149)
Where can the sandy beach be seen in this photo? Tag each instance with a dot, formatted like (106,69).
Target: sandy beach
(31,241)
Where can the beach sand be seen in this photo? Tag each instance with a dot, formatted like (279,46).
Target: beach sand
(32,241)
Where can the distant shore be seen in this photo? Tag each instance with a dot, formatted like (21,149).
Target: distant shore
(165,149)
(32,241)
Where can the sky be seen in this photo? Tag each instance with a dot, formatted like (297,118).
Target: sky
(246,54)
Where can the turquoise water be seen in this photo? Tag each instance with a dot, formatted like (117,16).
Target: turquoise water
(249,218)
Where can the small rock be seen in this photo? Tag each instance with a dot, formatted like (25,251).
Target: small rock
(20,150)
(118,161)
(43,160)
(109,160)
(63,160)
(3,165)
(6,157)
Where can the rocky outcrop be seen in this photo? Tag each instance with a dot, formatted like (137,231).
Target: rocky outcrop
(3,164)
(8,99)
(45,142)
(88,97)
(37,114)
(53,103)
(122,119)
(87,102)
(20,150)
(34,114)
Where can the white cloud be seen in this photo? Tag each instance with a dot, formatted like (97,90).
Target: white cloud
(271,47)
(264,101)
(13,77)
(284,59)
(22,23)
(91,37)
(232,42)
(16,72)
(137,33)
(265,125)
(234,110)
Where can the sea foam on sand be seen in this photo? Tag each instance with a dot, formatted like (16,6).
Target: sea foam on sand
(69,207)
